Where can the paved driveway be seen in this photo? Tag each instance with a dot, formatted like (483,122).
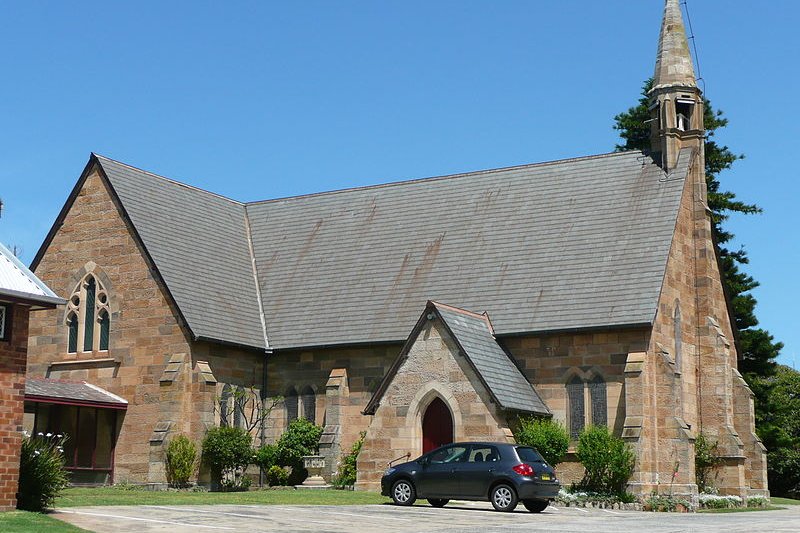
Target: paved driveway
(464,517)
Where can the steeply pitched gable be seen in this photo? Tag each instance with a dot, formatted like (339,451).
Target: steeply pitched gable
(474,337)
(199,243)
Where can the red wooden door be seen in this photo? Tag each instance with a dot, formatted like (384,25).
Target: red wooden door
(437,426)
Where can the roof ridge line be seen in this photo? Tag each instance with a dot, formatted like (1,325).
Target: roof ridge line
(254,269)
(170,180)
(459,310)
(443,177)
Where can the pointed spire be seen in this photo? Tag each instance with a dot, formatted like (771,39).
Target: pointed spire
(674,62)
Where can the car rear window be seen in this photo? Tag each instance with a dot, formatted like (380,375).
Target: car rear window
(529,454)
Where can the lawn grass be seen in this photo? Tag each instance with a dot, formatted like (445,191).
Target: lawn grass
(785,501)
(25,522)
(81,497)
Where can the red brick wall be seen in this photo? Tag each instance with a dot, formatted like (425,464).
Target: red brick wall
(12,392)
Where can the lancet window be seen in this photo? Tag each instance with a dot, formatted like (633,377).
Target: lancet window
(88,318)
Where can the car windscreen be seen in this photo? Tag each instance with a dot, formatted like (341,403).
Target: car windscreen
(529,455)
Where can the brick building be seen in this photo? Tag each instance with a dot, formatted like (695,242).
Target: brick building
(421,311)
(21,292)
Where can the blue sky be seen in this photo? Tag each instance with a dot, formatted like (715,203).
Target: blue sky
(257,100)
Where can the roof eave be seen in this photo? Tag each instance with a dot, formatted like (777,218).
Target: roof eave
(36,301)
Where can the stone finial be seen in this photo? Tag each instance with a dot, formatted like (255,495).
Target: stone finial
(674,62)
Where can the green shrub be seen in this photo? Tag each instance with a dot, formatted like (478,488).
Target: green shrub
(300,438)
(180,461)
(41,471)
(706,460)
(665,503)
(549,437)
(227,451)
(348,470)
(608,461)
(757,501)
(277,476)
(266,456)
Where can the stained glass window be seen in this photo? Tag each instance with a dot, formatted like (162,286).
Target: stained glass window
(577,409)
(105,323)
(597,393)
(88,324)
(291,405)
(72,323)
(309,404)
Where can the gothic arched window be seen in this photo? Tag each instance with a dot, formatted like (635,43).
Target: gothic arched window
(239,400)
(597,393)
(224,405)
(309,400)
(88,318)
(678,339)
(290,400)
(577,409)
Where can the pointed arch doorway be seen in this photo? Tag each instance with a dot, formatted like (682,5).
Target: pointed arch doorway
(437,426)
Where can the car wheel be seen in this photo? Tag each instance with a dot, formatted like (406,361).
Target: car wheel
(438,502)
(504,498)
(535,506)
(403,493)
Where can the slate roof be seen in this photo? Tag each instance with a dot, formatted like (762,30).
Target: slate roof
(43,390)
(19,283)
(199,243)
(573,244)
(504,381)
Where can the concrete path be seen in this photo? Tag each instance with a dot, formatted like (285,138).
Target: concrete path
(456,517)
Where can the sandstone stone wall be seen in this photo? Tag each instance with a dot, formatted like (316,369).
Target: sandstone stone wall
(145,330)
(433,368)
(550,361)
(365,368)
(12,395)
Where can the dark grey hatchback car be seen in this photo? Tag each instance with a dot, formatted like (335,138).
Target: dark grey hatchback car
(504,474)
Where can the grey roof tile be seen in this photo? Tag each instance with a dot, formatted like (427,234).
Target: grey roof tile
(564,245)
(502,378)
(199,243)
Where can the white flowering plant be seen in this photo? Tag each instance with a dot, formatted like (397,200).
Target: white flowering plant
(715,501)
(42,475)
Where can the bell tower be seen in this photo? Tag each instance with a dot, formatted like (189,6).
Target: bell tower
(676,103)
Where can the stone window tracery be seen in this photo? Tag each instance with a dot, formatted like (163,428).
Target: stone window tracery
(88,318)
(580,394)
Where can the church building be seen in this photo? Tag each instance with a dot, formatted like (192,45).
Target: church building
(420,312)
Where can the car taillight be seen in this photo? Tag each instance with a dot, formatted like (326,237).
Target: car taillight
(524,469)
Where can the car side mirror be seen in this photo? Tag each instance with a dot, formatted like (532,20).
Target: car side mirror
(424,461)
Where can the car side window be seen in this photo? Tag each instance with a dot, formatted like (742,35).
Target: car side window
(451,454)
(483,454)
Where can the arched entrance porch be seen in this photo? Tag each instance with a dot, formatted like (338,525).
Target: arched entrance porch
(437,426)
